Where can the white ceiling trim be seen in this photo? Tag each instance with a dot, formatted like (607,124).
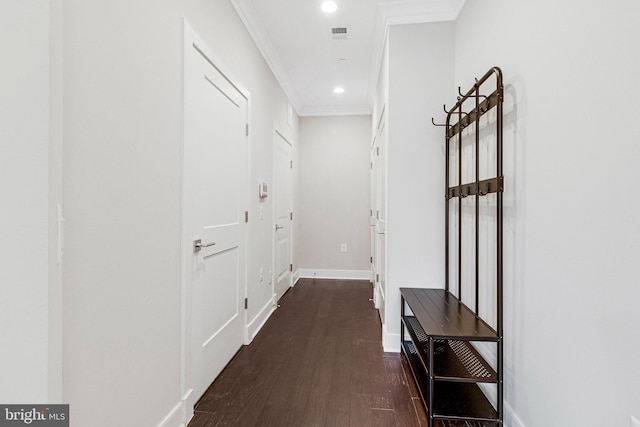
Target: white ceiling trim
(254,26)
(336,110)
(420,11)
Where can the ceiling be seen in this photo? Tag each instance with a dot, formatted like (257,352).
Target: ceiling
(297,41)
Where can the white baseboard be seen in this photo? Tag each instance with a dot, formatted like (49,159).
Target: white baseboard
(310,273)
(258,322)
(189,400)
(511,419)
(296,276)
(176,417)
(390,342)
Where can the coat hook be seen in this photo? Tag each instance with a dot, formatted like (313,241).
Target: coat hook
(460,91)
(444,106)
(436,124)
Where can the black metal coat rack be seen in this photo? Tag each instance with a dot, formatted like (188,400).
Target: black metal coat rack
(439,328)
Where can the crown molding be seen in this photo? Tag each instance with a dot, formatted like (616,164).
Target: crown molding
(398,12)
(254,26)
(336,110)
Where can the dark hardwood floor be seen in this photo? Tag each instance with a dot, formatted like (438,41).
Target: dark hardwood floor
(318,361)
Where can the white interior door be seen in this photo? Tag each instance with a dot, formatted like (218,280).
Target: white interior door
(372,223)
(282,206)
(214,188)
(380,216)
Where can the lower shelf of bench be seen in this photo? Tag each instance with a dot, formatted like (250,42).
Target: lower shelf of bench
(453,359)
(456,404)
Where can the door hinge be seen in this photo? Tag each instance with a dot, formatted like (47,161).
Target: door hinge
(377,151)
(246,216)
(291,164)
(290,267)
(291,216)
(371,260)
(371,163)
(246,303)
(377,278)
(246,128)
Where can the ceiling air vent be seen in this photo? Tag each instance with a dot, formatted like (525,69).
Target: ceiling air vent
(339,33)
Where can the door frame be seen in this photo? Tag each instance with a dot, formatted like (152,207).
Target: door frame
(278,134)
(188,399)
(372,217)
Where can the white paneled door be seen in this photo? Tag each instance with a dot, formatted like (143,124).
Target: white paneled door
(372,222)
(378,180)
(282,205)
(214,188)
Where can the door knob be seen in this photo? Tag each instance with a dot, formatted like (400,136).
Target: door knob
(197,245)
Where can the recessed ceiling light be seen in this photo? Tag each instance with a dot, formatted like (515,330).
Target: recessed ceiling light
(329,6)
(338,90)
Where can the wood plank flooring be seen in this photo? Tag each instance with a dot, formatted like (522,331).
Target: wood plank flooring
(318,361)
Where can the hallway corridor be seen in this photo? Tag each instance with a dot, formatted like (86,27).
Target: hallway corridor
(318,361)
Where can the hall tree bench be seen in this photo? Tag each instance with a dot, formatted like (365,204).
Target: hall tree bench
(455,352)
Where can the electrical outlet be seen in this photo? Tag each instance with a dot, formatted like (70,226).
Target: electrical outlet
(634,422)
(343,247)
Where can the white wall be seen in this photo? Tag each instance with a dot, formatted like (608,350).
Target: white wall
(30,332)
(122,128)
(571,230)
(56,260)
(334,195)
(419,81)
